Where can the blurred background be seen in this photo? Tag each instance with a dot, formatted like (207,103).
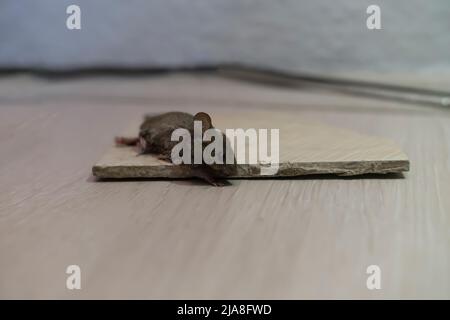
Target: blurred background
(321,36)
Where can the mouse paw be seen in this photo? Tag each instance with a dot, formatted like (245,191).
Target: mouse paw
(205,174)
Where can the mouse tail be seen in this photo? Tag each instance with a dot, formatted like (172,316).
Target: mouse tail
(126,141)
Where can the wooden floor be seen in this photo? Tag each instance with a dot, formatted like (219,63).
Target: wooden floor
(298,238)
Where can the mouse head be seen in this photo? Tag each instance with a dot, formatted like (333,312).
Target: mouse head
(221,170)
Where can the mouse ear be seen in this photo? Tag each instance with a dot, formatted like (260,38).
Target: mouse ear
(205,119)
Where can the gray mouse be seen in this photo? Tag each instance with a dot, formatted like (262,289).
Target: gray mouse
(155,138)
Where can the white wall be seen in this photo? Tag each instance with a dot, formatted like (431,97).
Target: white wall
(311,35)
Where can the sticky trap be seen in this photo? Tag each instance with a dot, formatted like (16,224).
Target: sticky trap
(305,148)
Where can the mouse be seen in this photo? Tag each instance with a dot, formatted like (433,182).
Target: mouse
(155,134)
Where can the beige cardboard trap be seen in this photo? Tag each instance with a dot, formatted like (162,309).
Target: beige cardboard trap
(304,148)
